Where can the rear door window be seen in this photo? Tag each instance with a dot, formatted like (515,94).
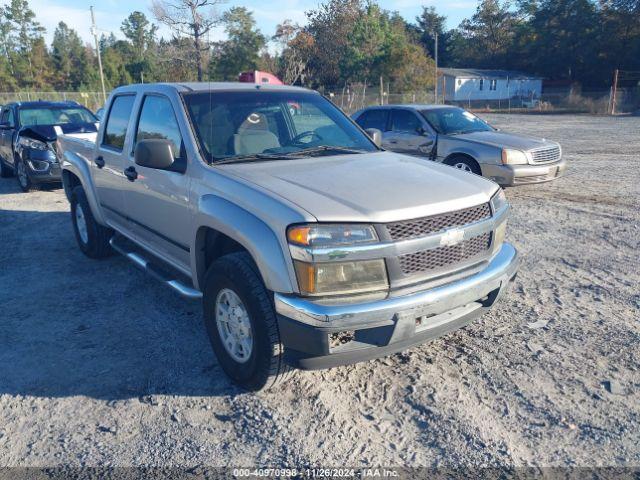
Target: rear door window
(374,119)
(158,120)
(116,128)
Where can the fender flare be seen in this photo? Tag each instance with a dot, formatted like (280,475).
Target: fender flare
(79,166)
(252,233)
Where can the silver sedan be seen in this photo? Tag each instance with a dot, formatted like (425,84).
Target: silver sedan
(456,137)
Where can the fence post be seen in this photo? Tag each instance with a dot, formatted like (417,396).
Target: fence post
(615,90)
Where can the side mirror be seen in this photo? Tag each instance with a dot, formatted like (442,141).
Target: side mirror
(375,135)
(154,153)
(421,131)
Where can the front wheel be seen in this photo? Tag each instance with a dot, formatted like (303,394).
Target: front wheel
(465,164)
(23,176)
(93,238)
(241,323)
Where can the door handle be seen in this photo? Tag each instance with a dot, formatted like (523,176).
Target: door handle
(99,161)
(131,174)
(393,141)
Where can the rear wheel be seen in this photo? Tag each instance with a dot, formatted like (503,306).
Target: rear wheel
(92,238)
(465,164)
(241,323)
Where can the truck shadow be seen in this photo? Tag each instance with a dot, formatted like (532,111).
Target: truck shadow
(72,326)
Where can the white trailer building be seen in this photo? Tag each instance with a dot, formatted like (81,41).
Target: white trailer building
(470,84)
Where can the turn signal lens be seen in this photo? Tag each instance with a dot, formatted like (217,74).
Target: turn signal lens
(299,235)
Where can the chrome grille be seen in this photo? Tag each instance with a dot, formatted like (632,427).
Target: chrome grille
(421,227)
(546,154)
(447,256)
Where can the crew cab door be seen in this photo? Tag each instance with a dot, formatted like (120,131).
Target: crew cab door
(107,163)
(157,201)
(409,133)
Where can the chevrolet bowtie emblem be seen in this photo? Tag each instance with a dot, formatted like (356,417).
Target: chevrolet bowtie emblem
(451,237)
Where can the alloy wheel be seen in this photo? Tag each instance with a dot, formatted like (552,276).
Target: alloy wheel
(234,325)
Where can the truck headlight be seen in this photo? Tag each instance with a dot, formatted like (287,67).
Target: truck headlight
(327,235)
(330,278)
(341,277)
(514,157)
(31,143)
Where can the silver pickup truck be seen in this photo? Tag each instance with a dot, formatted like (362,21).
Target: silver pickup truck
(308,244)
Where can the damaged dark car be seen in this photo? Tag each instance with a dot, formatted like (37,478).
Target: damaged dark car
(28,135)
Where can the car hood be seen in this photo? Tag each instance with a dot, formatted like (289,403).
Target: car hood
(47,133)
(504,139)
(374,187)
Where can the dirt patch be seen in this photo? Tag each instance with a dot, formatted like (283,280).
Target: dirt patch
(103,366)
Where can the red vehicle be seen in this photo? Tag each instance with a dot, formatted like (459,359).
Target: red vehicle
(259,77)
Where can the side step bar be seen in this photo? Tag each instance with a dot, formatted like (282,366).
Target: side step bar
(144,264)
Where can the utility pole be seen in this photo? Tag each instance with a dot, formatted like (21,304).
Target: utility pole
(435,91)
(94,32)
(614,91)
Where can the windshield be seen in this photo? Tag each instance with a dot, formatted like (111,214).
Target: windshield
(55,116)
(453,121)
(263,125)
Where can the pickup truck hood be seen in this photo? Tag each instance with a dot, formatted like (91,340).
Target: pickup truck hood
(47,133)
(372,187)
(504,139)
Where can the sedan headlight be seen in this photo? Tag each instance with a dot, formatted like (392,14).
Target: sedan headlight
(514,157)
(339,277)
(31,143)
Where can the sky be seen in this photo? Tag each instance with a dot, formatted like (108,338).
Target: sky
(111,13)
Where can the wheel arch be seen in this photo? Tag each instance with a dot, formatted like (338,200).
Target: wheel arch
(452,156)
(223,227)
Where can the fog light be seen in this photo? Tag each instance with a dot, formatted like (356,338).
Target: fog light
(38,165)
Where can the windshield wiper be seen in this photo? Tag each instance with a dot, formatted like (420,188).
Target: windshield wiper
(327,148)
(251,157)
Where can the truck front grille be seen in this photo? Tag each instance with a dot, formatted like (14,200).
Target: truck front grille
(428,261)
(421,227)
(546,154)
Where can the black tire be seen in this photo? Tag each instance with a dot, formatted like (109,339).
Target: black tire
(95,244)
(465,163)
(265,366)
(5,170)
(24,181)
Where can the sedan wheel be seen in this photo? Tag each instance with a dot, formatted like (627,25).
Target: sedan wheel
(462,166)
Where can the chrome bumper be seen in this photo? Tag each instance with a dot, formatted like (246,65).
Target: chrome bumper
(495,276)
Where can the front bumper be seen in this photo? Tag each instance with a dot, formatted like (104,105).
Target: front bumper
(385,326)
(511,175)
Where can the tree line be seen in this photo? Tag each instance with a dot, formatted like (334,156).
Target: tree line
(344,42)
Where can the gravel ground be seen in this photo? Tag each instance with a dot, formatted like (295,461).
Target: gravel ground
(103,366)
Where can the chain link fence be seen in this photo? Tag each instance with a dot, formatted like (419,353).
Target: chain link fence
(351,99)
(592,102)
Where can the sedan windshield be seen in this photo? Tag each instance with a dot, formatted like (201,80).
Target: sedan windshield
(259,125)
(454,121)
(30,117)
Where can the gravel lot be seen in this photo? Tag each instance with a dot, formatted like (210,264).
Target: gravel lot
(103,366)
